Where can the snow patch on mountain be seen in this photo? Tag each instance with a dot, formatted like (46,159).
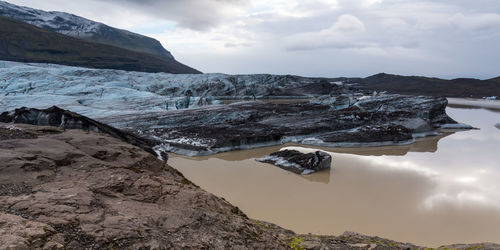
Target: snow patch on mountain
(60,22)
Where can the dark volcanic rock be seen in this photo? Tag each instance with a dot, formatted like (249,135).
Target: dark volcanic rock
(372,121)
(65,119)
(297,162)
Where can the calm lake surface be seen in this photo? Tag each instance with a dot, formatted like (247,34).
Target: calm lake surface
(440,190)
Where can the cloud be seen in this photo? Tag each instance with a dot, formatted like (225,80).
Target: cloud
(446,38)
(342,34)
(199,15)
(477,22)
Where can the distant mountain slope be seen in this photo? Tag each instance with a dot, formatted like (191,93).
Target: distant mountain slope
(418,85)
(23,42)
(496,79)
(82,28)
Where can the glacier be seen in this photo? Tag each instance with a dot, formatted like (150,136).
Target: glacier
(98,93)
(185,114)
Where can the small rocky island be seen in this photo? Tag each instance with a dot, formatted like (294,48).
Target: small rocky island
(299,163)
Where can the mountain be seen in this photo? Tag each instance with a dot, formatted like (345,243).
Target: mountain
(24,42)
(496,79)
(419,85)
(79,27)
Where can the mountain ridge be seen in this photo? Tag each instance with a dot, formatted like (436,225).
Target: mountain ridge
(83,28)
(496,79)
(432,86)
(23,42)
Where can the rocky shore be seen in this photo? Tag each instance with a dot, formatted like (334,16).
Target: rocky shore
(80,189)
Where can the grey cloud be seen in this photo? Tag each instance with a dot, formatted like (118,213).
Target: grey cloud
(403,24)
(344,33)
(193,14)
(236,45)
(478,22)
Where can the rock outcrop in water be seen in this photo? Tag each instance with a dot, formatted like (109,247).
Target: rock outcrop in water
(297,162)
(65,119)
(366,121)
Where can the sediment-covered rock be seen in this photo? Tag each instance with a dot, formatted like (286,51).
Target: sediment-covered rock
(363,121)
(369,135)
(297,162)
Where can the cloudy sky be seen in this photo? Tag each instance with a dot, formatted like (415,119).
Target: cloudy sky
(443,38)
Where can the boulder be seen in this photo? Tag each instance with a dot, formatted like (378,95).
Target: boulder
(297,162)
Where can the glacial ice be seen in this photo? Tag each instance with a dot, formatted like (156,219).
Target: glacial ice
(144,102)
(99,93)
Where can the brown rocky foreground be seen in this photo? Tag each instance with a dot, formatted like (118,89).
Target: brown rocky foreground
(73,189)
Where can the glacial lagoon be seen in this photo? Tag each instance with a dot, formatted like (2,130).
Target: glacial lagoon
(440,190)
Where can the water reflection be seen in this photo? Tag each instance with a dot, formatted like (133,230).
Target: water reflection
(491,105)
(429,144)
(321,176)
(437,191)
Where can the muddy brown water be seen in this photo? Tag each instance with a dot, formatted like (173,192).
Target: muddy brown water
(439,190)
